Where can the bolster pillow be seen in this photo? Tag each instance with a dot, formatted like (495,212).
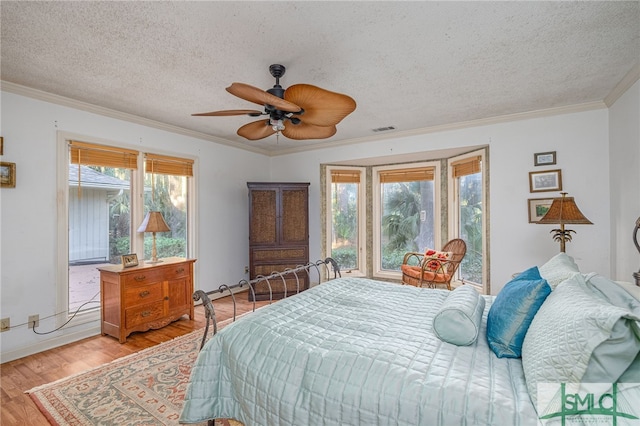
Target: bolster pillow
(458,319)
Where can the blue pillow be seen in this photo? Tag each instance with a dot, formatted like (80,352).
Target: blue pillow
(513,310)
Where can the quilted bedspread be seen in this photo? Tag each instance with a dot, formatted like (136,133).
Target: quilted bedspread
(354,351)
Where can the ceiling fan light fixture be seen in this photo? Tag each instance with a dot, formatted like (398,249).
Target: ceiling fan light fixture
(277,125)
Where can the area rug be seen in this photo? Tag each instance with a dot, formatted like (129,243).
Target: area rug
(145,388)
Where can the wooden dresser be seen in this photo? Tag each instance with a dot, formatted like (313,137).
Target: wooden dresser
(278,234)
(146,296)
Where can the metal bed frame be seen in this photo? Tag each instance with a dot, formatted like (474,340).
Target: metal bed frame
(210,314)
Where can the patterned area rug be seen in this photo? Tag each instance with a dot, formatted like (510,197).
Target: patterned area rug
(145,388)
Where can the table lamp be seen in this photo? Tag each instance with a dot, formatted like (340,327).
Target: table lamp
(564,211)
(154,222)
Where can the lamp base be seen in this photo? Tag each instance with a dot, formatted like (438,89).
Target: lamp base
(152,261)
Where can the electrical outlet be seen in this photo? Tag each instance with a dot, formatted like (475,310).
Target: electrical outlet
(34,321)
(5,324)
(246,269)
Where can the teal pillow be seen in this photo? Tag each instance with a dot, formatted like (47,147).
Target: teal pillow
(512,312)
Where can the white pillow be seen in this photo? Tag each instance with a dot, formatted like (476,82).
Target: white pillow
(569,326)
(458,319)
(557,269)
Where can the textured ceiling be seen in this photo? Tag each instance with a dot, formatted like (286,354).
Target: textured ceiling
(411,65)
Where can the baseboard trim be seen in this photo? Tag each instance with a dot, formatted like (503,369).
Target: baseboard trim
(49,344)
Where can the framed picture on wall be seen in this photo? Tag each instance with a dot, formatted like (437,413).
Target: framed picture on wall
(538,207)
(7,175)
(549,180)
(544,158)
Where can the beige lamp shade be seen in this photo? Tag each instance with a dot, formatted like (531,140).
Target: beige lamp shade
(154,222)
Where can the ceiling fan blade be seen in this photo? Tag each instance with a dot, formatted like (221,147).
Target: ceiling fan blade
(256,130)
(321,107)
(303,131)
(259,96)
(252,112)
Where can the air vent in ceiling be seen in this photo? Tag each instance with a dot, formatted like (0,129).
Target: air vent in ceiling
(384,129)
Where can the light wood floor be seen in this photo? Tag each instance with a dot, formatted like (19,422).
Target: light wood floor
(25,373)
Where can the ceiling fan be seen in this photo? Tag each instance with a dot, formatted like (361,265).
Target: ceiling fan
(308,111)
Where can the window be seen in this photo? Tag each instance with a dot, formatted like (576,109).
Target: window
(346,203)
(468,206)
(99,215)
(98,223)
(399,210)
(166,191)
(405,216)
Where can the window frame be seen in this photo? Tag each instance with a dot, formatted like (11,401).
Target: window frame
(454,216)
(361,271)
(137,215)
(376,213)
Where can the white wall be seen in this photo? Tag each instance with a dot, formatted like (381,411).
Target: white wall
(581,143)
(607,195)
(28,212)
(624,151)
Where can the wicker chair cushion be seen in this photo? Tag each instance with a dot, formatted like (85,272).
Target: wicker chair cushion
(414,272)
(433,258)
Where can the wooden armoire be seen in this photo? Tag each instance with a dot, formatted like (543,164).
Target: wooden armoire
(278,235)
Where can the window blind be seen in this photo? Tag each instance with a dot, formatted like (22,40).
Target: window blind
(345,176)
(407,175)
(102,155)
(164,165)
(468,166)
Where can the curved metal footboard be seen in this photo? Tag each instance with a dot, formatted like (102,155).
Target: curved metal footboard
(210,314)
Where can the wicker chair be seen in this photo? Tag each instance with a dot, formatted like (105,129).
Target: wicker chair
(417,272)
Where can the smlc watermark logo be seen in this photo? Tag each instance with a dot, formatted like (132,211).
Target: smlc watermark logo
(615,404)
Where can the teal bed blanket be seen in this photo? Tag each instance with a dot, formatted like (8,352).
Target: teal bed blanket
(354,351)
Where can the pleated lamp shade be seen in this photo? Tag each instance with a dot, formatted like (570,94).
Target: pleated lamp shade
(154,222)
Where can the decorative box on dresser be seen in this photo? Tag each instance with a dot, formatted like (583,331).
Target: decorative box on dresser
(278,235)
(145,297)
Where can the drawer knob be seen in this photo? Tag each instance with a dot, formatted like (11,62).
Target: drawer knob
(179,270)
(140,278)
(145,314)
(144,293)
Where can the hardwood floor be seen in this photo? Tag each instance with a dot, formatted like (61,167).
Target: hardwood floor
(25,373)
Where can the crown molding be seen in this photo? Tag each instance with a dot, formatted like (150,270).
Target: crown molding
(625,84)
(107,112)
(569,109)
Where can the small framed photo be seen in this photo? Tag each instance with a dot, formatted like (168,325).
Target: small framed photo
(549,180)
(544,158)
(7,175)
(538,207)
(129,260)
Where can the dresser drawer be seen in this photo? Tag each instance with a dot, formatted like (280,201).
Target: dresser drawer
(143,313)
(280,254)
(145,276)
(142,294)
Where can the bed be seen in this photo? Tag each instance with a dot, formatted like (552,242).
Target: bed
(354,351)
